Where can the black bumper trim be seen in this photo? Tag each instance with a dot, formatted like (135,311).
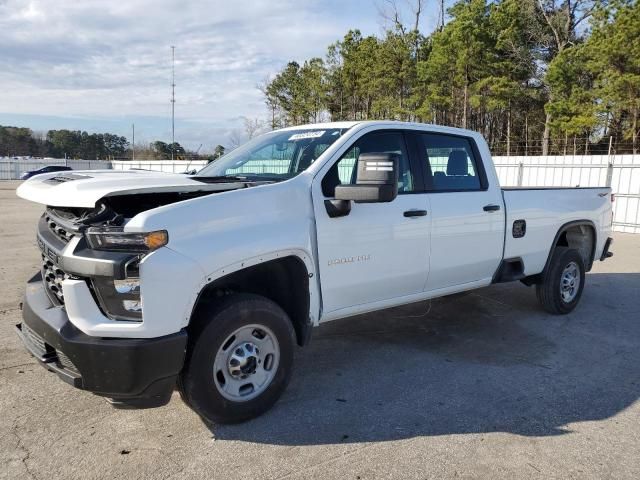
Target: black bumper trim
(605,251)
(49,360)
(123,368)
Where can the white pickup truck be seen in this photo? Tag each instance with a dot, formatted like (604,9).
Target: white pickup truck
(207,282)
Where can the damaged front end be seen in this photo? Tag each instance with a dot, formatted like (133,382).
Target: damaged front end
(85,281)
(85,315)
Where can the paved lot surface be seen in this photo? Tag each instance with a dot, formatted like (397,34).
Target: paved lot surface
(484,385)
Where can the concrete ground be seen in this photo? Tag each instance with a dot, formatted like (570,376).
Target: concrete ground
(484,385)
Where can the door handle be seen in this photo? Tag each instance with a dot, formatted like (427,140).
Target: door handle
(415,213)
(491,208)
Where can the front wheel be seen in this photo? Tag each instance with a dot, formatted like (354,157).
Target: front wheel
(563,282)
(240,359)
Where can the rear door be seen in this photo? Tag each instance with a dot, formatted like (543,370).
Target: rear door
(467,213)
(379,251)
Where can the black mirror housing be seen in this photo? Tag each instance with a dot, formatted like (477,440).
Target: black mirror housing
(377,179)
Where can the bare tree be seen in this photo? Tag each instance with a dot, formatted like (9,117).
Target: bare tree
(270,100)
(390,11)
(563,17)
(235,139)
(252,127)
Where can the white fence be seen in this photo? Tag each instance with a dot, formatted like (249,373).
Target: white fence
(170,166)
(12,169)
(620,172)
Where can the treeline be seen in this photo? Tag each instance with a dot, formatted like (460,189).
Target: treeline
(17,141)
(533,76)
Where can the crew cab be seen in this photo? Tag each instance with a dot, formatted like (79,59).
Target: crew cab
(151,281)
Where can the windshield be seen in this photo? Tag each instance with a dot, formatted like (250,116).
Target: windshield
(274,156)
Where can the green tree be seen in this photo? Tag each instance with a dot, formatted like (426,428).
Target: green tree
(572,108)
(515,70)
(115,146)
(561,19)
(394,74)
(218,151)
(614,60)
(461,56)
(18,141)
(506,87)
(64,143)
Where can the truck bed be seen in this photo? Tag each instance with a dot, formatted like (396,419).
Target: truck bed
(545,211)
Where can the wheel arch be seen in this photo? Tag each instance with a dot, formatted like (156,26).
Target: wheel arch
(286,278)
(569,234)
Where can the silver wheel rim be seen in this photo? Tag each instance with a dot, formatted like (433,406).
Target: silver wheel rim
(246,363)
(570,282)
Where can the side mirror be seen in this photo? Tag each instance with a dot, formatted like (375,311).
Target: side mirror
(376,181)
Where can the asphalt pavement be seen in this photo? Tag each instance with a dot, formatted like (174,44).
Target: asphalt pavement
(481,385)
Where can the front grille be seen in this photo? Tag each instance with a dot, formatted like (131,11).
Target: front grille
(34,338)
(52,277)
(58,230)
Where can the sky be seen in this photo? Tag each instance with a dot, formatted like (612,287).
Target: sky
(103,65)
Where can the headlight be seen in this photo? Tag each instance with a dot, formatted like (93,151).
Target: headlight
(115,238)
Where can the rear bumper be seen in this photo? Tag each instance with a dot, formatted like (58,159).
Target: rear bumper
(605,251)
(134,372)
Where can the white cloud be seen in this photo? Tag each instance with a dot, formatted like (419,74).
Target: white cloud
(106,59)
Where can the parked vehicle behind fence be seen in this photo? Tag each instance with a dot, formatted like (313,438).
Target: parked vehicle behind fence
(47,169)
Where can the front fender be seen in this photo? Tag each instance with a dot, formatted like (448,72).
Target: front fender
(229,231)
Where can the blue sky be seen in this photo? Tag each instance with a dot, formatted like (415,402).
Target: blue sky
(103,65)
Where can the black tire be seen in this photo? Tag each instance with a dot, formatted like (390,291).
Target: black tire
(212,327)
(549,290)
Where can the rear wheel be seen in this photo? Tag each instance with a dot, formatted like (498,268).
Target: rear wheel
(563,282)
(240,359)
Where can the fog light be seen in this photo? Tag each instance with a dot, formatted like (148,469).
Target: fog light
(132,305)
(119,299)
(129,285)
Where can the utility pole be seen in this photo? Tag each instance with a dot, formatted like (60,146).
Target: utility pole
(441,16)
(133,141)
(173,99)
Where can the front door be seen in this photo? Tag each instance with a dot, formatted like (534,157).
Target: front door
(378,251)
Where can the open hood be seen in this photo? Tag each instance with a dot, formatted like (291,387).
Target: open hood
(78,188)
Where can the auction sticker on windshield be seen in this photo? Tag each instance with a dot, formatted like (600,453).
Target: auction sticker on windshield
(302,136)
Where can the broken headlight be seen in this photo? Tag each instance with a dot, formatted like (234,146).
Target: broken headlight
(115,238)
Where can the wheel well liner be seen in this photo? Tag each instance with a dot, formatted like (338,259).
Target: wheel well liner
(285,281)
(565,237)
